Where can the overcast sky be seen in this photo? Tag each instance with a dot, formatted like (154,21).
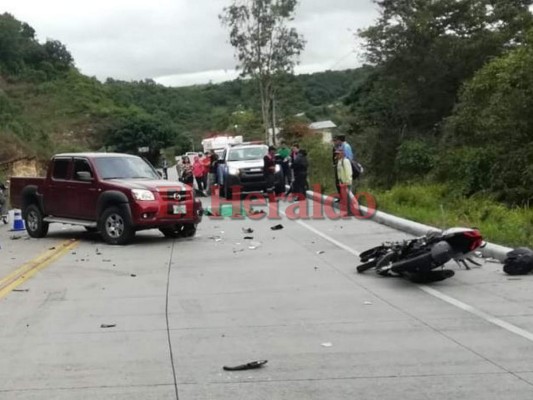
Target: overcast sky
(181,42)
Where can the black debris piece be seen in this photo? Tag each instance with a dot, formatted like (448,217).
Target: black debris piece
(248,238)
(247,230)
(277,227)
(250,365)
(108,325)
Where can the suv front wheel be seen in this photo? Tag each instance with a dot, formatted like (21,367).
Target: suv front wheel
(115,226)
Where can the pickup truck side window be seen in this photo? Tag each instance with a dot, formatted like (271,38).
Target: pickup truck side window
(61,168)
(82,165)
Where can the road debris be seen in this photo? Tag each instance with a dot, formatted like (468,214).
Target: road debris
(133,275)
(250,365)
(105,326)
(320,252)
(247,230)
(327,344)
(248,238)
(14,237)
(254,245)
(367,303)
(21,290)
(277,227)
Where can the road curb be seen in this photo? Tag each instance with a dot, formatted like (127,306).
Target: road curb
(491,250)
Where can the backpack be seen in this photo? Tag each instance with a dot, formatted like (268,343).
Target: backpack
(357,169)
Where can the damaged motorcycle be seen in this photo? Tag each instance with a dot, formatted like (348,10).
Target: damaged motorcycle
(422,259)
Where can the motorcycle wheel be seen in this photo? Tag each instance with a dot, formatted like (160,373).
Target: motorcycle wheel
(417,263)
(431,276)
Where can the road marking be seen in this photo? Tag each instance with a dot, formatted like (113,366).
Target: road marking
(29,269)
(435,293)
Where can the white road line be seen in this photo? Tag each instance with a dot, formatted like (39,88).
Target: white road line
(435,293)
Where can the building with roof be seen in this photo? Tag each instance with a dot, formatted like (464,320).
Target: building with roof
(324,128)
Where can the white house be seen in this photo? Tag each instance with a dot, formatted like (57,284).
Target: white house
(325,128)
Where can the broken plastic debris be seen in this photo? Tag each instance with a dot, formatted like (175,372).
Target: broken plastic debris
(277,227)
(367,303)
(108,325)
(248,238)
(247,230)
(133,275)
(327,344)
(320,252)
(250,365)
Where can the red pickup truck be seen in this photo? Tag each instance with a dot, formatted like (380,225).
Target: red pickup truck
(114,194)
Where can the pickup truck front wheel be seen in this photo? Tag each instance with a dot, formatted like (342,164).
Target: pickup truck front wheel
(179,231)
(115,227)
(35,226)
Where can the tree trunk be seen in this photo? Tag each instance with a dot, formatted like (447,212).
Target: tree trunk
(264,107)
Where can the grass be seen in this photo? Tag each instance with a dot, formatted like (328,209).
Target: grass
(434,205)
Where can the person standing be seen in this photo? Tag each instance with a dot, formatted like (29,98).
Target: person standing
(165,168)
(285,154)
(206,162)
(187,176)
(213,166)
(198,172)
(3,202)
(300,166)
(269,169)
(345,176)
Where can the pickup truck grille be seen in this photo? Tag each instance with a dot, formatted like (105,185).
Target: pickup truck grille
(252,175)
(176,195)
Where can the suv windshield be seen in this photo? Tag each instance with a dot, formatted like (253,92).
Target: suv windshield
(247,153)
(124,168)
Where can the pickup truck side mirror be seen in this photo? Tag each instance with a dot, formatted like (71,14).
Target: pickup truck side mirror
(84,176)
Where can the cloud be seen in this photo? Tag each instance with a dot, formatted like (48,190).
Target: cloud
(138,39)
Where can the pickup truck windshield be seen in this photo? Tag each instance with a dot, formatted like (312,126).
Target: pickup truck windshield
(124,168)
(247,153)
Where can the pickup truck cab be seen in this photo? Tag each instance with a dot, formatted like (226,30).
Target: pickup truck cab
(242,166)
(111,193)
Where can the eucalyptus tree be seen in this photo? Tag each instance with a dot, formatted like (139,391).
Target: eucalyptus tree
(265,46)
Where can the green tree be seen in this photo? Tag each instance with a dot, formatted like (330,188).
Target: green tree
(135,131)
(423,51)
(265,46)
(490,132)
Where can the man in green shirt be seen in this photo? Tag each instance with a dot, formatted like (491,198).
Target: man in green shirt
(285,154)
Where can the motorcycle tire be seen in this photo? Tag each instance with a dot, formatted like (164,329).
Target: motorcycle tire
(421,262)
(431,276)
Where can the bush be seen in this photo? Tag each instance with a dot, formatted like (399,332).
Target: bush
(415,158)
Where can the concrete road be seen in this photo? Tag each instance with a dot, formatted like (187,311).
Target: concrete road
(179,310)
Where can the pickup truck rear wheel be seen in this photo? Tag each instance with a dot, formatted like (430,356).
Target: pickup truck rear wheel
(179,230)
(35,226)
(115,227)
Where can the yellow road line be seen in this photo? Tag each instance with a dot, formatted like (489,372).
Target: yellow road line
(29,269)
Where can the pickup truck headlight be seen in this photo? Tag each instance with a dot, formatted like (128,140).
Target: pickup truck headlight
(142,195)
(277,168)
(234,171)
